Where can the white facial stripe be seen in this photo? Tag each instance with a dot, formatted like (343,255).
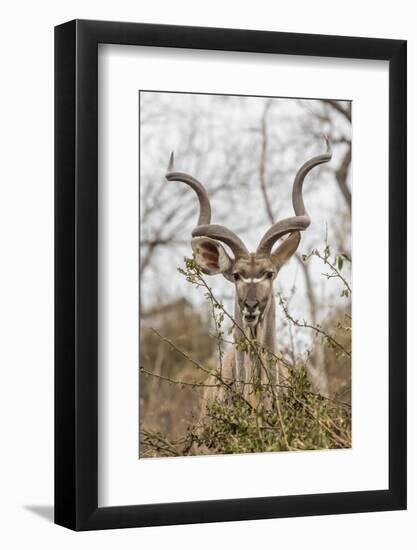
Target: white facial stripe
(253,280)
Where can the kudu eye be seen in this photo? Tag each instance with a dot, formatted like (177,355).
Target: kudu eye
(236,276)
(269,274)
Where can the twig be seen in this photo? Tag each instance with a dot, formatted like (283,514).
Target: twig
(317,329)
(178,382)
(161,444)
(216,375)
(336,272)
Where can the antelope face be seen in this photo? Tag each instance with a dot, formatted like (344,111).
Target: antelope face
(253,278)
(252,274)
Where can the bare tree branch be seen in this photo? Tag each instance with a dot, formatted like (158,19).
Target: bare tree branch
(262,163)
(345,111)
(342,174)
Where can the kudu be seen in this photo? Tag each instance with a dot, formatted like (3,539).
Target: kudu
(252,273)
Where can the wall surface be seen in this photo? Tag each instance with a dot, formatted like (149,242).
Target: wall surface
(26,276)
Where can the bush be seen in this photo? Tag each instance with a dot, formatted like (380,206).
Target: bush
(289,417)
(305,421)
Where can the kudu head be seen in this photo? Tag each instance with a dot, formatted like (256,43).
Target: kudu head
(252,273)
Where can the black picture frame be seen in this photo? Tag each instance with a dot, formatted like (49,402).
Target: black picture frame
(76,272)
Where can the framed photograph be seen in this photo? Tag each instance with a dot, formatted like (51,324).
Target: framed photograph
(230,248)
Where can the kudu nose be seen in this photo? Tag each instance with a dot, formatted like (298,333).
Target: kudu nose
(251,304)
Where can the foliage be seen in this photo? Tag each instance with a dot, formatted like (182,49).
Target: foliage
(278,417)
(308,422)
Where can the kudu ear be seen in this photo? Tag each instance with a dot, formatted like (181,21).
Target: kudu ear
(211,257)
(286,249)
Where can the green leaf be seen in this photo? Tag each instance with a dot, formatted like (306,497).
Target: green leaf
(340,263)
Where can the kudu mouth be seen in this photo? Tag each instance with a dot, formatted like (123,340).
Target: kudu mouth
(251,319)
(252,315)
